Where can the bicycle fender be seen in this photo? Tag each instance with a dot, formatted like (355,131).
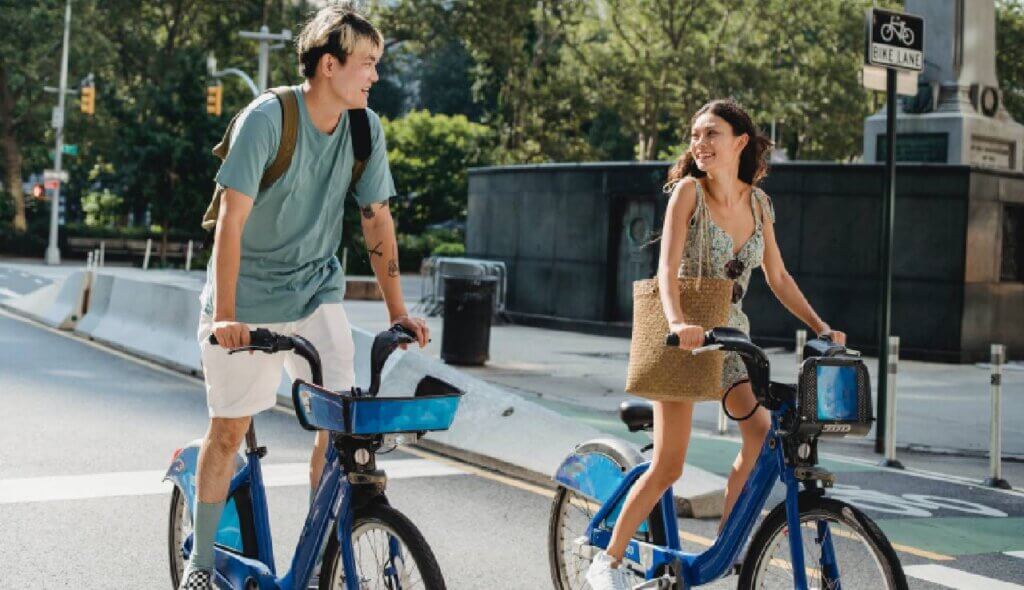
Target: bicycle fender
(596,467)
(182,471)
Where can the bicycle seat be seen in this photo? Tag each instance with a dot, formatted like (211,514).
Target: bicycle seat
(637,415)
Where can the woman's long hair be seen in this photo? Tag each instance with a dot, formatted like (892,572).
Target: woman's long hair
(753,164)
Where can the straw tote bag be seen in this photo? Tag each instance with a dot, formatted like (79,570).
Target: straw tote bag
(667,373)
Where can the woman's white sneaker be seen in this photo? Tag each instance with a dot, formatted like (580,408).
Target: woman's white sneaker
(602,576)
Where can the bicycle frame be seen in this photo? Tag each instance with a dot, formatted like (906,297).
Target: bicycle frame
(701,568)
(333,502)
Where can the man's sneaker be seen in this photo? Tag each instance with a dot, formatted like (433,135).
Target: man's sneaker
(602,576)
(196,580)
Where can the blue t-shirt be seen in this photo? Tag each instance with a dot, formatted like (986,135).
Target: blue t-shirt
(288,262)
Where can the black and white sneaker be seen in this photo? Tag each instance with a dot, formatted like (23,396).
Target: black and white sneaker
(197,580)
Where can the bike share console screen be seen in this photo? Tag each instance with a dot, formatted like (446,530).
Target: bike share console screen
(837,393)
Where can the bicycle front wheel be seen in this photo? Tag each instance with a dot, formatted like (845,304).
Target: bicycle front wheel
(863,555)
(389,553)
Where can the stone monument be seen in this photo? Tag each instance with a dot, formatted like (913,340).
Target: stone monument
(957,116)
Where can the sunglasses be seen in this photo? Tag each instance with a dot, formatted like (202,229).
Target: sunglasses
(733,269)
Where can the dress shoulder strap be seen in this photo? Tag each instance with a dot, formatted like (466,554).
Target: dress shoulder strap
(765,203)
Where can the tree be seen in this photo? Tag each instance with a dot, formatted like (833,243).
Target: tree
(430,156)
(1010,55)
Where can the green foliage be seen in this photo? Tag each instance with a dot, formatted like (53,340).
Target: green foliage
(450,249)
(430,156)
(101,208)
(1010,54)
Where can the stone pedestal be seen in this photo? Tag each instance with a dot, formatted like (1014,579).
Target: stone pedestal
(958,116)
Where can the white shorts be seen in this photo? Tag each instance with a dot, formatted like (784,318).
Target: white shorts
(243,384)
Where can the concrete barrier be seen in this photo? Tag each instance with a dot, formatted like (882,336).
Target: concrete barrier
(153,320)
(496,424)
(97,305)
(59,304)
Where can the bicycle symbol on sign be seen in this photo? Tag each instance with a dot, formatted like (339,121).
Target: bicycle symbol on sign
(897,27)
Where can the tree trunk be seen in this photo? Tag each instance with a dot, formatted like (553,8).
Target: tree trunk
(12,153)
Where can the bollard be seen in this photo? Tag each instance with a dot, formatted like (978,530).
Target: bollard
(723,422)
(103,253)
(891,368)
(995,452)
(88,261)
(801,341)
(149,250)
(188,257)
(344,261)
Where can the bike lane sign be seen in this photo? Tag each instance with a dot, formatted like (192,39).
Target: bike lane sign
(894,40)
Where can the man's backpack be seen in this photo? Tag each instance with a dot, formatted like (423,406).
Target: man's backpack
(359,126)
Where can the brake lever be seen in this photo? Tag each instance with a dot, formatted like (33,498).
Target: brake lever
(251,349)
(702,349)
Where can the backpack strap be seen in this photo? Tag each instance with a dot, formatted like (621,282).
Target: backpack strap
(289,133)
(362,143)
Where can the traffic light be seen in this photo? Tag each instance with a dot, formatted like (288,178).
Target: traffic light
(88,99)
(213,96)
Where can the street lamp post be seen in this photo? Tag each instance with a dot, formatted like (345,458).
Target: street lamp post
(52,249)
(264,36)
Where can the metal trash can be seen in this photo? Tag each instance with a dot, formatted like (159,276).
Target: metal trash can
(468,306)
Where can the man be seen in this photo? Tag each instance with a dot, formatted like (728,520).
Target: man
(274,262)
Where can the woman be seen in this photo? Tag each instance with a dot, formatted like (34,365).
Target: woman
(714,189)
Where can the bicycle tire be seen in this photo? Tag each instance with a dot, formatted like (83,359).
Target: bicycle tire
(395,524)
(814,508)
(564,497)
(175,536)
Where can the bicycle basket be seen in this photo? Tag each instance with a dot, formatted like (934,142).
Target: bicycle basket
(834,397)
(321,409)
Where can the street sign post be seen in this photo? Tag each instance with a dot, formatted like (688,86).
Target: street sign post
(894,41)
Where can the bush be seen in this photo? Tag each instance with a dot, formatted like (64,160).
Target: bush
(449,249)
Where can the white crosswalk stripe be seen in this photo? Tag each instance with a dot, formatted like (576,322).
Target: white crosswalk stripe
(5,292)
(1017,554)
(957,579)
(142,483)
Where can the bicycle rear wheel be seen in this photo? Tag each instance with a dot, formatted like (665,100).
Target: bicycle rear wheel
(179,526)
(389,553)
(572,512)
(863,555)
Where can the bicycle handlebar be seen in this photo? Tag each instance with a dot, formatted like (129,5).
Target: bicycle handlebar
(263,340)
(734,340)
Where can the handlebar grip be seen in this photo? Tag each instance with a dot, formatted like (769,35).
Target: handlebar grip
(672,340)
(257,337)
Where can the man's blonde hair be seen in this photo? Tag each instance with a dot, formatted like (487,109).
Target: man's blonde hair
(334,30)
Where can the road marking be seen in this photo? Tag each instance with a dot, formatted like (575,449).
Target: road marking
(957,579)
(1017,554)
(5,292)
(145,483)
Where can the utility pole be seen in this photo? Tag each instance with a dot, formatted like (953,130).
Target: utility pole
(264,36)
(52,250)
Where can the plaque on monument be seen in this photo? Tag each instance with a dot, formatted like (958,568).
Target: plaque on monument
(991,153)
(915,147)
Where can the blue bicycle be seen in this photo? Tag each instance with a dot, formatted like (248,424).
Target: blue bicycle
(369,543)
(807,541)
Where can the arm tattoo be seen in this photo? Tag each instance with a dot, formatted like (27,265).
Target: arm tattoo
(393,264)
(369,213)
(376,250)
